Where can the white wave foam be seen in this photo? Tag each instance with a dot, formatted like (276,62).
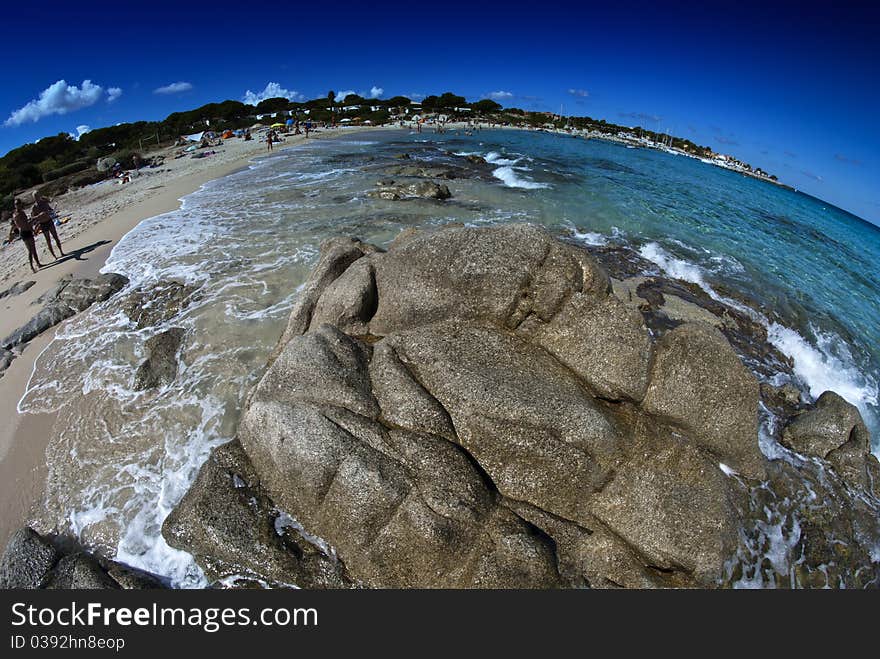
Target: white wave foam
(825,365)
(512,180)
(675,267)
(587,237)
(828,366)
(496,158)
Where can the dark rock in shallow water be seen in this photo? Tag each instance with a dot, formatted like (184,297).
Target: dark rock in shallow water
(419,190)
(834,430)
(17,288)
(158,304)
(69,299)
(27,561)
(80,571)
(160,368)
(30,561)
(476,407)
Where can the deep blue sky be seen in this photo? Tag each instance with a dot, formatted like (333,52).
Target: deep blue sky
(788,87)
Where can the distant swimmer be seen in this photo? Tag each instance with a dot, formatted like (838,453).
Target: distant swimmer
(43,214)
(26,231)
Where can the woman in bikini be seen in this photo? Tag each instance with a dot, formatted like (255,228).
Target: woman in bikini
(26,231)
(41,215)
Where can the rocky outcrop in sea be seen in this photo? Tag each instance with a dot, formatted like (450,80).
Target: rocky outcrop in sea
(488,407)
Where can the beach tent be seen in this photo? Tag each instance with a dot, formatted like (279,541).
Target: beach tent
(227,135)
(195,137)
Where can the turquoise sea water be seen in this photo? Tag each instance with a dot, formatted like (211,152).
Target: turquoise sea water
(811,263)
(123,458)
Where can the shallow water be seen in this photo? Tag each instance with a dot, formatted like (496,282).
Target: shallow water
(121,459)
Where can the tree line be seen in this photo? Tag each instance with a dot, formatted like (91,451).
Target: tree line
(61,161)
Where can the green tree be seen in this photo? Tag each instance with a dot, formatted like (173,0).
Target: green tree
(449,100)
(485,106)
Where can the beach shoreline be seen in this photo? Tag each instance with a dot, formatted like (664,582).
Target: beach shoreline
(100,217)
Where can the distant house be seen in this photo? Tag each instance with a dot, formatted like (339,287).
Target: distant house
(462,109)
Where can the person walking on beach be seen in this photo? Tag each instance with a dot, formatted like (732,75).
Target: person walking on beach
(42,214)
(269,137)
(26,231)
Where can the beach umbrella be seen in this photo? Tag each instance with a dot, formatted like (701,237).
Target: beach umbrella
(277,125)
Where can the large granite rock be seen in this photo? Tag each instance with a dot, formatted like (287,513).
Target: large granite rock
(476,407)
(699,383)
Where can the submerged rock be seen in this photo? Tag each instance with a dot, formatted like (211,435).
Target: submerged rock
(158,304)
(160,368)
(418,190)
(478,408)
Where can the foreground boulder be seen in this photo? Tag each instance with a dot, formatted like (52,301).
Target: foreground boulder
(30,561)
(228,522)
(477,408)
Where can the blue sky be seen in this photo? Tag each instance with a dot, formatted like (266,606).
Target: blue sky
(785,86)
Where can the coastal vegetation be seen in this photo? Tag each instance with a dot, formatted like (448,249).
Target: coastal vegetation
(63,161)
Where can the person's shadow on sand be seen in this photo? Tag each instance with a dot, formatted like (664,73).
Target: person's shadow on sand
(77,254)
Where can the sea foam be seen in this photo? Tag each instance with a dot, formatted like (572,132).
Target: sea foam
(511,179)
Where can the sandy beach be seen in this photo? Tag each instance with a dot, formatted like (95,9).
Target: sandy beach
(100,215)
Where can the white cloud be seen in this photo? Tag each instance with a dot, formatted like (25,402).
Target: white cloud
(57,98)
(340,96)
(500,95)
(376,92)
(415,98)
(113,93)
(174,88)
(583,93)
(82,130)
(272,90)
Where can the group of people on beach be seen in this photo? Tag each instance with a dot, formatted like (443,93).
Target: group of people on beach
(42,218)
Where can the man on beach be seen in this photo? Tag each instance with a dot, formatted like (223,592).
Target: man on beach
(42,214)
(269,136)
(26,231)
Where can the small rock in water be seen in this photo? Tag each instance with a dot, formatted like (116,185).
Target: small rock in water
(160,368)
